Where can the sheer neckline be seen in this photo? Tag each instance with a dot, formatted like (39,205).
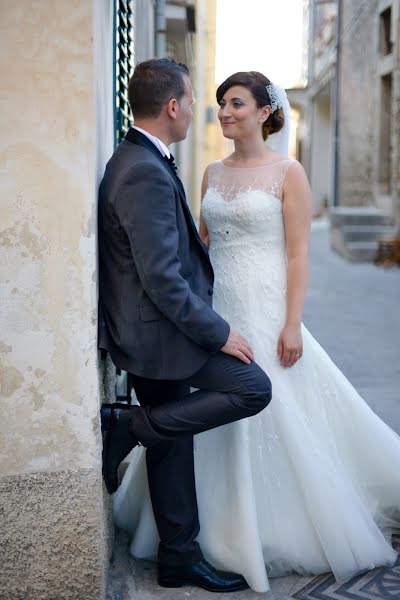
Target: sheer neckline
(257,167)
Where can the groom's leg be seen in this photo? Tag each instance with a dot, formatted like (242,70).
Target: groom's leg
(171,480)
(228,390)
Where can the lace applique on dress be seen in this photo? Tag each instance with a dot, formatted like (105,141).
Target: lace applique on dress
(231,182)
(242,208)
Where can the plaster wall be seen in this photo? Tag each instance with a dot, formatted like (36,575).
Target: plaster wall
(56,123)
(48,275)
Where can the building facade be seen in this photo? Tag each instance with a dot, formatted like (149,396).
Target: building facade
(369,100)
(209,144)
(349,132)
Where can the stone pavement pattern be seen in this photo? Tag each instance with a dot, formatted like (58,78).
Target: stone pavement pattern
(353,311)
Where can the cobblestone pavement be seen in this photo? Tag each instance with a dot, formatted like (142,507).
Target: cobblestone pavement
(353,311)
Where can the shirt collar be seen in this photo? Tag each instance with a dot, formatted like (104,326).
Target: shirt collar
(156,141)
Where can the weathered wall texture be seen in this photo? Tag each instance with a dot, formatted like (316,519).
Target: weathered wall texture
(52,102)
(51,542)
(48,336)
(359,104)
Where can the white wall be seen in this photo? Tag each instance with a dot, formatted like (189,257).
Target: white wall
(56,135)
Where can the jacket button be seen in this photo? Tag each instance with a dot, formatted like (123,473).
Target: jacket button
(210,292)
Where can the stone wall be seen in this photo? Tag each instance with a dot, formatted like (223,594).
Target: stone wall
(56,123)
(359,104)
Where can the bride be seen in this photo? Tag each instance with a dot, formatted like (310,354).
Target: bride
(312,483)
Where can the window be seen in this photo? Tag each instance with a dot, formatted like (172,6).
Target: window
(385,24)
(123,64)
(385,146)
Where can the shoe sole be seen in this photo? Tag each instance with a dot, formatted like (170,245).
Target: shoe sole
(175,583)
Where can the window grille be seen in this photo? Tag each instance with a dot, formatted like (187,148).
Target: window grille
(123,64)
(123,69)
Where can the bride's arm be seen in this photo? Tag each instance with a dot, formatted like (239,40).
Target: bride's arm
(297,209)
(203,231)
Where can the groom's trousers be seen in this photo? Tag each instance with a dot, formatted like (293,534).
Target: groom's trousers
(168,417)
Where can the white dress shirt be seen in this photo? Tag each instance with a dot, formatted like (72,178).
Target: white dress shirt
(156,141)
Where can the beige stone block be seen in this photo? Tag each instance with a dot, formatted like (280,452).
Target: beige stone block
(54,535)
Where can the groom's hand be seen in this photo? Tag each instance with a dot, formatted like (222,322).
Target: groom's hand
(237,346)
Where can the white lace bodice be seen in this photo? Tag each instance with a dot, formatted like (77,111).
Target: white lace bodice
(242,209)
(244,205)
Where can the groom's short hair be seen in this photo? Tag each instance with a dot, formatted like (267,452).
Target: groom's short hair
(153,83)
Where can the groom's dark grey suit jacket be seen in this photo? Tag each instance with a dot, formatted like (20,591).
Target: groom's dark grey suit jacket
(155,276)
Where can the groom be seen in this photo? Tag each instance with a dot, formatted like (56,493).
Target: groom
(156,321)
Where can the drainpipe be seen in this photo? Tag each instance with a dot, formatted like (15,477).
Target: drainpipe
(337,106)
(161,28)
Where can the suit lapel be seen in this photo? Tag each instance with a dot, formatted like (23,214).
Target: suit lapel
(136,137)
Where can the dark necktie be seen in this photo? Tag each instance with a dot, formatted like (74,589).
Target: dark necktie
(171,163)
(174,168)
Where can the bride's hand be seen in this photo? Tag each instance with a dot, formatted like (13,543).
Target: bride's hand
(290,345)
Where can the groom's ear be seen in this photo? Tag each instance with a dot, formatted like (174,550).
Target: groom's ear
(171,107)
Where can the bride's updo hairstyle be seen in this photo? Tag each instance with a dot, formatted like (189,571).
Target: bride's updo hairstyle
(256,83)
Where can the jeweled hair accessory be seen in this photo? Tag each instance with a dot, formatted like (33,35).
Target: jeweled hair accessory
(276,102)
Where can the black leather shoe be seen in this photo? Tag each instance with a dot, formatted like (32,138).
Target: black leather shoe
(118,440)
(201,574)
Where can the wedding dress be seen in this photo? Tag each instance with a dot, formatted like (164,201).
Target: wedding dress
(309,484)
